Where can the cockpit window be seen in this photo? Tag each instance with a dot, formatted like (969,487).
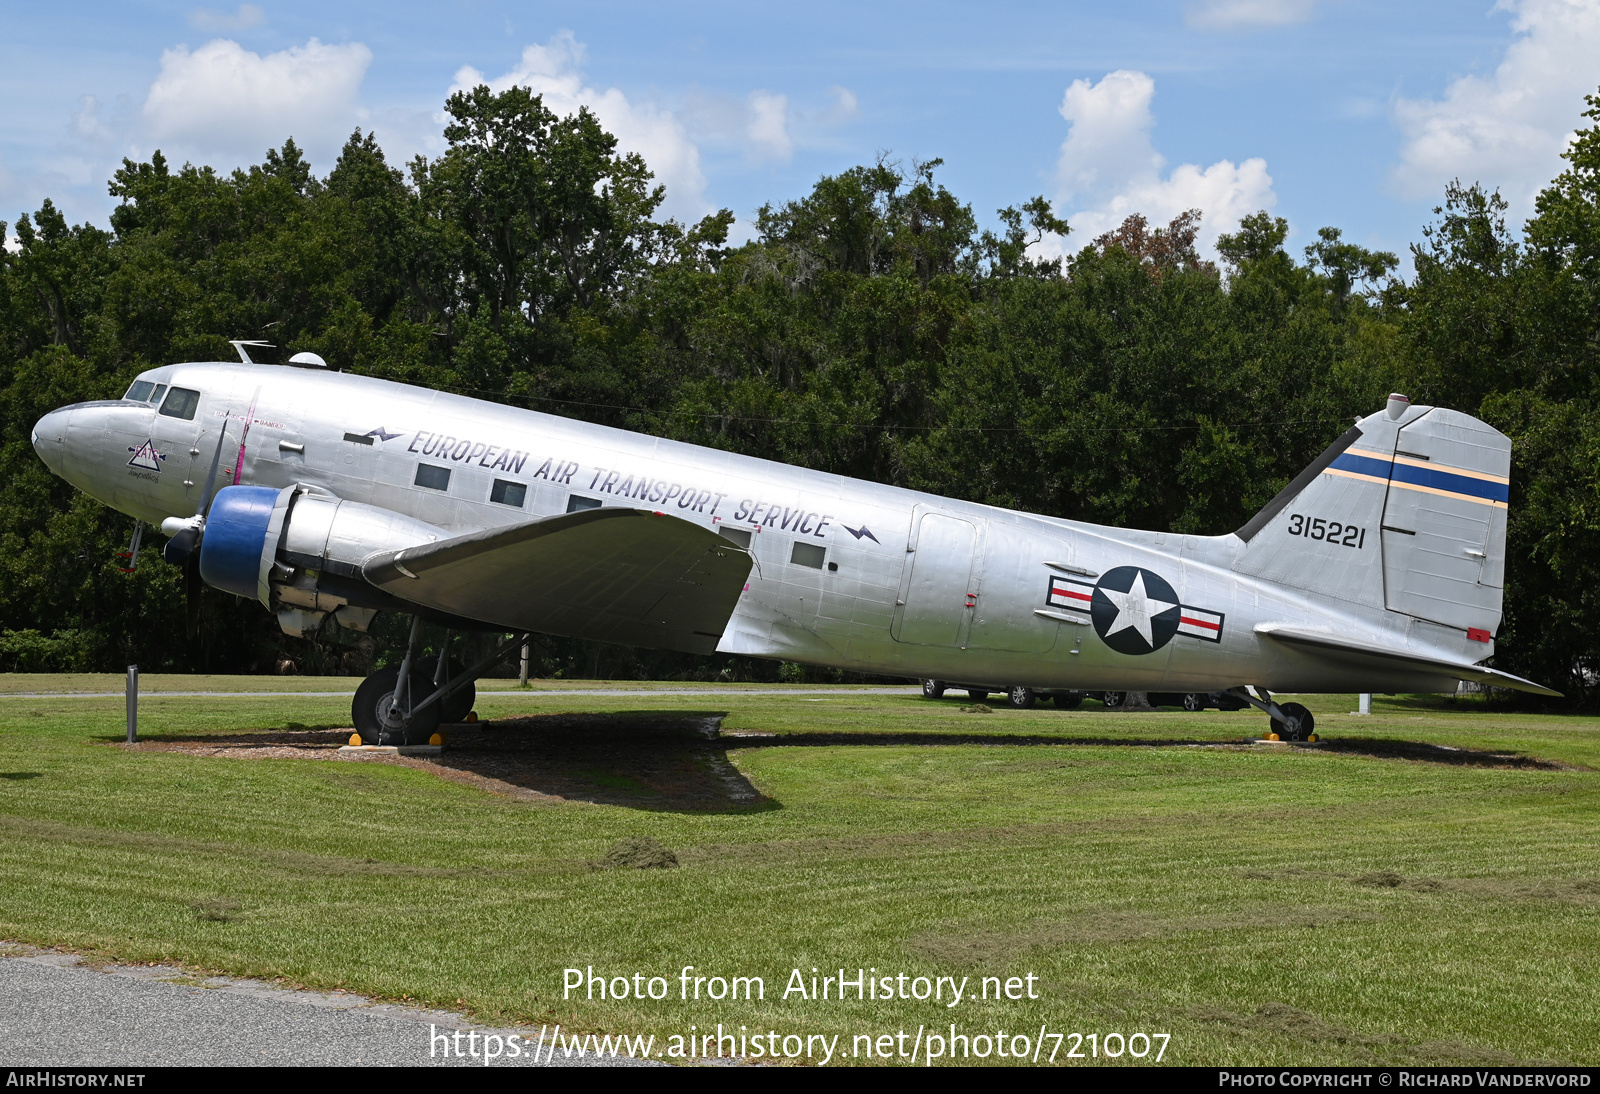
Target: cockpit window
(181,403)
(155,396)
(140,391)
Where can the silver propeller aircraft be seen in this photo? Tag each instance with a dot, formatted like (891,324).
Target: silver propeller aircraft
(1380,568)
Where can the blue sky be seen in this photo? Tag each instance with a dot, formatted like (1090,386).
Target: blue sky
(1345,112)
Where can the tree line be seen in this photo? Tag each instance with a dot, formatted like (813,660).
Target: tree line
(871,328)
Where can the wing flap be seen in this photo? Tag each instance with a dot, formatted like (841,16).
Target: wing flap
(609,575)
(1388,656)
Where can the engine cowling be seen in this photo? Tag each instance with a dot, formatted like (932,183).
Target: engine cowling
(241,538)
(300,552)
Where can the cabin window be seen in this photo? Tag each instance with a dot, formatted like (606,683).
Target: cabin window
(140,391)
(358,438)
(808,554)
(741,536)
(508,493)
(181,403)
(575,504)
(433,478)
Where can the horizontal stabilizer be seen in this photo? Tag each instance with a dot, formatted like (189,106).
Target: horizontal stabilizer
(610,575)
(1379,655)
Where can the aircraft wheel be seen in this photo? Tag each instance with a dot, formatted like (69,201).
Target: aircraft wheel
(1069,700)
(1020,697)
(977,695)
(376,719)
(1194,703)
(933,689)
(1113,699)
(1297,725)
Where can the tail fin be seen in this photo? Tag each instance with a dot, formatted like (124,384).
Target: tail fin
(1406,511)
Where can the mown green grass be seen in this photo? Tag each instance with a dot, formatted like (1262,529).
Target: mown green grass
(1262,904)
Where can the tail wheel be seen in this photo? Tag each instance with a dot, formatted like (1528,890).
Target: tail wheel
(933,689)
(1194,703)
(1113,699)
(977,695)
(1020,697)
(1298,724)
(378,720)
(1069,700)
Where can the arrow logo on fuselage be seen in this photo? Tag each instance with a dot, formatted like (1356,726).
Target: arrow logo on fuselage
(146,457)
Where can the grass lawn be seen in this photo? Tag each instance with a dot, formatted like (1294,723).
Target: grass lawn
(1426,889)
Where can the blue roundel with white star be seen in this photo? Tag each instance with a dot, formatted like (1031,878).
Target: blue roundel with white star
(1134,610)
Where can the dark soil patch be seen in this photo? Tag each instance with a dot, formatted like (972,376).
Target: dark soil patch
(638,853)
(647,760)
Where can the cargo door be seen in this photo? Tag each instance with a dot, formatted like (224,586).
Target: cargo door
(935,606)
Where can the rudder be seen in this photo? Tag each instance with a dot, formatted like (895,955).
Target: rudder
(1406,511)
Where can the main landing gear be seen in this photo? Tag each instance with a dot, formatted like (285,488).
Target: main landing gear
(1290,721)
(405,705)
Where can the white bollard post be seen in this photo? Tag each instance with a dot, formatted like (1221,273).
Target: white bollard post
(522,677)
(1366,703)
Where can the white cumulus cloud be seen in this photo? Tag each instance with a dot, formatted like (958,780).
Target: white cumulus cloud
(1507,130)
(1232,14)
(768,127)
(221,101)
(1109,169)
(552,71)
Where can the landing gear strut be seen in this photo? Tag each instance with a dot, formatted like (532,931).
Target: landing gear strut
(404,706)
(1290,721)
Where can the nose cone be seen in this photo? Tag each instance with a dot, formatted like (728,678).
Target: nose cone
(50,437)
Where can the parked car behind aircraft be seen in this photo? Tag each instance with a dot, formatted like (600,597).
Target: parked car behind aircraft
(1024,697)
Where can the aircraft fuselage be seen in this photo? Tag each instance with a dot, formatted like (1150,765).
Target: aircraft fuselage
(847,573)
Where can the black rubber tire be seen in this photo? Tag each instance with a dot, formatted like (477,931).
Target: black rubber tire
(1069,700)
(1021,698)
(978,695)
(1113,699)
(364,710)
(933,689)
(1194,702)
(1300,724)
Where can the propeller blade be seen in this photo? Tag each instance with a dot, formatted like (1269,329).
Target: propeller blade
(192,585)
(181,546)
(249,416)
(211,477)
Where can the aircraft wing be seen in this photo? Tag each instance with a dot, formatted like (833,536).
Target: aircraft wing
(1376,654)
(609,575)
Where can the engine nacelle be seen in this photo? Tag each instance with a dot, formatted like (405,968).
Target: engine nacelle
(241,538)
(301,552)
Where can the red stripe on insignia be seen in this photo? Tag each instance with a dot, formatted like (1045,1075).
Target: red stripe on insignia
(1076,596)
(1199,623)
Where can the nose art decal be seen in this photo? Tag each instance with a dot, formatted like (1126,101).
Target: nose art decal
(146,457)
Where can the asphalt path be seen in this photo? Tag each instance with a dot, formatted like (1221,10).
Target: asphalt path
(57,1012)
(529,694)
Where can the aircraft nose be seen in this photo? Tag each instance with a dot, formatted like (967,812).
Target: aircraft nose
(50,436)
